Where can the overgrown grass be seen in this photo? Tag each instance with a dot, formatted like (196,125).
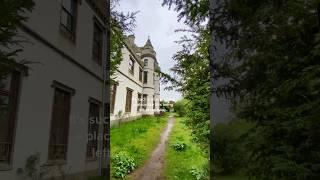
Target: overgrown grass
(136,139)
(187,163)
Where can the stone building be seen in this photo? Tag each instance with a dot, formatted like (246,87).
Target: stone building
(45,107)
(136,90)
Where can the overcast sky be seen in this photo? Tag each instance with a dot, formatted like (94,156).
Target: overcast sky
(159,23)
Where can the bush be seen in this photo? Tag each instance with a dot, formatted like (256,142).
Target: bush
(180,107)
(179,146)
(197,173)
(123,165)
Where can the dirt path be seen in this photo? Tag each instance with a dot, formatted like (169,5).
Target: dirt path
(153,168)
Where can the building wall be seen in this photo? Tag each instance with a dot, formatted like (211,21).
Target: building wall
(127,80)
(36,94)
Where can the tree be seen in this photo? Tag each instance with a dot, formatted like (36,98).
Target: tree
(12,13)
(180,107)
(191,71)
(273,71)
(121,23)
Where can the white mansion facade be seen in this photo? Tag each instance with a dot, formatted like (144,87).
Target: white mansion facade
(136,90)
(45,107)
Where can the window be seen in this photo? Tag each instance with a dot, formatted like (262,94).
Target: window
(144,101)
(139,102)
(59,131)
(93,128)
(140,74)
(68,17)
(131,66)
(9,88)
(97,44)
(113,94)
(128,100)
(146,62)
(154,103)
(153,79)
(145,77)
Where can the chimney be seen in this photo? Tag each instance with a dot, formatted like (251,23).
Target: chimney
(131,39)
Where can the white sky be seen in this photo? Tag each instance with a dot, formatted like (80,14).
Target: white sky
(159,23)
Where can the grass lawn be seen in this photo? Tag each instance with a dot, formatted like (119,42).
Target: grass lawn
(179,164)
(137,138)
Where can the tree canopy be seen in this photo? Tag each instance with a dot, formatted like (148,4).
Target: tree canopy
(12,13)
(273,67)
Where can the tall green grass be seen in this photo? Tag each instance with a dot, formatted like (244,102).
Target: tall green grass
(137,138)
(189,163)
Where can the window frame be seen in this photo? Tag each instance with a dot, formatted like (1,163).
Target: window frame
(128,105)
(144,101)
(97,103)
(145,77)
(140,74)
(139,102)
(70,33)
(131,65)
(145,62)
(57,86)
(97,42)
(13,97)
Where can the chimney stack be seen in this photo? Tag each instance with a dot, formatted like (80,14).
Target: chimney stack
(131,39)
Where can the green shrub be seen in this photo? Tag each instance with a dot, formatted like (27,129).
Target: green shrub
(123,165)
(197,173)
(179,146)
(180,107)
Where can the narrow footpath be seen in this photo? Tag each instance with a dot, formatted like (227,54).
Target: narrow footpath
(153,167)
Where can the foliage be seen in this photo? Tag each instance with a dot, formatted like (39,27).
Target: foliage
(137,138)
(191,163)
(229,140)
(33,169)
(191,69)
(179,146)
(198,174)
(121,23)
(122,164)
(12,13)
(180,107)
(194,12)
(273,69)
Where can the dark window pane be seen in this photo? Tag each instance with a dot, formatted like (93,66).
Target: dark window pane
(97,44)
(59,125)
(9,88)
(145,77)
(128,100)
(93,130)
(68,5)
